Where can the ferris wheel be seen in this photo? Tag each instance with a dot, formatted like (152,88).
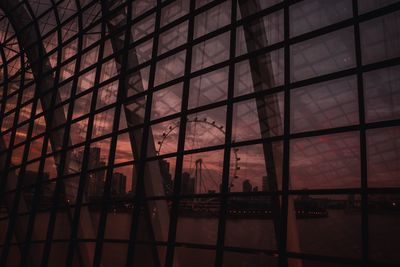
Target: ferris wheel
(200,170)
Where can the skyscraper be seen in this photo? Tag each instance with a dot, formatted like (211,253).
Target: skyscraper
(246,186)
(118,184)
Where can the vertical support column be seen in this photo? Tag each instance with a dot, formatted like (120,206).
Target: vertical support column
(263,78)
(142,139)
(30,41)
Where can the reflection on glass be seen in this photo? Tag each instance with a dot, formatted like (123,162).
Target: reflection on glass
(208,88)
(123,152)
(265,31)
(380,38)
(86,80)
(322,55)
(383,221)
(314,263)
(383,153)
(258,118)
(165,136)
(150,255)
(41,226)
(166,175)
(249,8)
(237,259)
(202,173)
(21,134)
(173,38)
(194,257)
(210,52)
(170,68)
(327,226)
(107,95)
(81,106)
(256,168)
(108,70)
(115,254)
(153,221)
(143,28)
(336,218)
(328,161)
(166,101)
(250,223)
(212,19)
(261,73)
(198,220)
(174,11)
(119,220)
(205,128)
(314,14)
(103,123)
(78,131)
(382,94)
(369,5)
(324,105)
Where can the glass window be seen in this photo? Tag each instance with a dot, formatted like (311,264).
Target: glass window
(323,55)
(382,94)
(115,150)
(379,38)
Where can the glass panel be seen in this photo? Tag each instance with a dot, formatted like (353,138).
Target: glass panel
(116,254)
(197,221)
(322,55)
(369,5)
(251,172)
(336,218)
(206,128)
(382,94)
(165,135)
(202,172)
(103,123)
(327,161)
(82,105)
(210,52)
(324,105)
(170,68)
(265,31)
(383,221)
(254,6)
(258,118)
(162,176)
(237,259)
(166,101)
(380,38)
(232,113)
(208,88)
(174,11)
(251,223)
(123,151)
(261,73)
(212,19)
(314,14)
(194,257)
(173,38)
(383,154)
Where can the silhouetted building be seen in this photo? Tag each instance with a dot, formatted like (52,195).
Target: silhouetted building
(265,185)
(166,176)
(247,187)
(29,181)
(188,184)
(31,177)
(118,184)
(95,179)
